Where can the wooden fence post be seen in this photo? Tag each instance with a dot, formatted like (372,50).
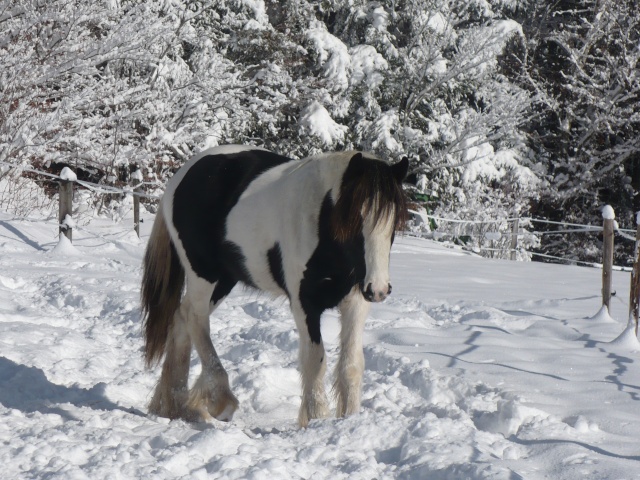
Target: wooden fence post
(634,290)
(608,216)
(136,180)
(514,238)
(65,207)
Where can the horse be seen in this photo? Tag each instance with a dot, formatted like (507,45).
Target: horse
(318,231)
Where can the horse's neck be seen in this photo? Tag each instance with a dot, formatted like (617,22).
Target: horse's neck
(326,171)
(308,179)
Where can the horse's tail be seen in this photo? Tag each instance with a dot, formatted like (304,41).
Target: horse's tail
(161,291)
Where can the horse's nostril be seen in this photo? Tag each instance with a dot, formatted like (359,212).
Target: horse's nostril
(389,291)
(367,293)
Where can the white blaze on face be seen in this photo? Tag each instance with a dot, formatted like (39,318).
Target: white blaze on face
(377,248)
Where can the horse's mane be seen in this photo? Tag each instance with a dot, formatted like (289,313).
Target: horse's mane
(368,188)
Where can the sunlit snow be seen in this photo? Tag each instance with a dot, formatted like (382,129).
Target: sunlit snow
(475,368)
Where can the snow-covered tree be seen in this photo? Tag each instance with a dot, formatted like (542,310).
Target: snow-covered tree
(426,84)
(580,61)
(121,84)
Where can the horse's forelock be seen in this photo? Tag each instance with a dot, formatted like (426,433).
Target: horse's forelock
(368,188)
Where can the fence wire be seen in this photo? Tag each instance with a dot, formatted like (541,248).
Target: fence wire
(96,187)
(570,228)
(625,234)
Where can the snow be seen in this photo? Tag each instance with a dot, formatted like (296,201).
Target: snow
(259,11)
(608,213)
(507,28)
(628,338)
(64,247)
(381,132)
(253,25)
(367,66)
(438,67)
(137,175)
(475,368)
(68,174)
(68,222)
(603,316)
(379,19)
(482,162)
(316,121)
(333,55)
(438,23)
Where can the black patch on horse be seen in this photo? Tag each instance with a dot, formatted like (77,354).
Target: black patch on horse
(274,257)
(201,204)
(332,271)
(223,288)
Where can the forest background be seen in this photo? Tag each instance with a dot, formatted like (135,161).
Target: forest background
(505,108)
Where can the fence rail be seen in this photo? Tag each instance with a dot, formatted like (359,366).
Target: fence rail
(66,180)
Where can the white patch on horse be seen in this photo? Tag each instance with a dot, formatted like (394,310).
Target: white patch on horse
(377,250)
(263,217)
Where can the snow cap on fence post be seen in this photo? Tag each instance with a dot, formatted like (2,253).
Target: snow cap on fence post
(137,176)
(68,175)
(608,213)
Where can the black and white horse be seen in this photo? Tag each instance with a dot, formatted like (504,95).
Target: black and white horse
(317,230)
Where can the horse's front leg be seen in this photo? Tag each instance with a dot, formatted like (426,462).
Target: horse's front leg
(313,366)
(348,383)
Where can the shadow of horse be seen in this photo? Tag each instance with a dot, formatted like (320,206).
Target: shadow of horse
(27,389)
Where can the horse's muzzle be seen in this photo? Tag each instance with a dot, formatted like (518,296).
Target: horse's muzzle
(371,295)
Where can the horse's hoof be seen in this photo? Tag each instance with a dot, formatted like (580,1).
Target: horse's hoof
(224,408)
(227,413)
(312,412)
(220,404)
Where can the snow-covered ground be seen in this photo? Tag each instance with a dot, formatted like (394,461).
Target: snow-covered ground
(474,369)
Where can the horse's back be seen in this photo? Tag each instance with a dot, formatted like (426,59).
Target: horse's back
(201,195)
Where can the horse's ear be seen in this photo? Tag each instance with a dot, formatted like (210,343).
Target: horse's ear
(400,169)
(357,167)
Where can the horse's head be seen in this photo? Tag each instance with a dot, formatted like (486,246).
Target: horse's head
(372,203)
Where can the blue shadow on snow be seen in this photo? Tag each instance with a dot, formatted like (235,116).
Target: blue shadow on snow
(27,389)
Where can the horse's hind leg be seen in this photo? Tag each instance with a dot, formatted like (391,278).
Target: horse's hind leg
(171,393)
(210,395)
(348,383)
